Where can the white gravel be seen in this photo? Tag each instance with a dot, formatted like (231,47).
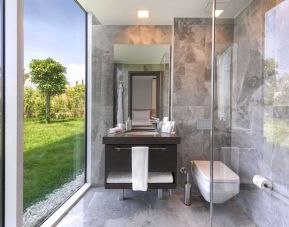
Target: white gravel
(37,213)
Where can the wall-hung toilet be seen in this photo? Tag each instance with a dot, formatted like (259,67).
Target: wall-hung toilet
(226,183)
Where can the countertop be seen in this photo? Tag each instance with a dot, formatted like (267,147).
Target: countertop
(125,138)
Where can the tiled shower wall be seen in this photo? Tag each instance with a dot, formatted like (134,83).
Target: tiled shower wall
(103,39)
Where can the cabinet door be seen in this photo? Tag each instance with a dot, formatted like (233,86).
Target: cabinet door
(118,161)
(163,160)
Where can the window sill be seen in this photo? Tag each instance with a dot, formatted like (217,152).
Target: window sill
(66,207)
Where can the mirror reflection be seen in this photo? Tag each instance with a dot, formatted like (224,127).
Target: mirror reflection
(142,84)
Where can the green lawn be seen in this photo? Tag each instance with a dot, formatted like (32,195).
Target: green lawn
(53,155)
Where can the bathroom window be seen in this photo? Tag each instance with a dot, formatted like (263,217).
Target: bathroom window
(54,105)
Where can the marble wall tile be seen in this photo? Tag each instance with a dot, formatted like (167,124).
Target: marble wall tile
(191,84)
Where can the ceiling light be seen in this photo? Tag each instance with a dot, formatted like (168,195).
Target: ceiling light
(143,14)
(218,12)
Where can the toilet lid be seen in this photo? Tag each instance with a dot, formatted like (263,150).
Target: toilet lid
(221,172)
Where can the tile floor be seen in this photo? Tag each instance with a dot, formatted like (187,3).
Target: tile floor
(101,207)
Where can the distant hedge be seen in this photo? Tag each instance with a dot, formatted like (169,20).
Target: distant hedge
(71,104)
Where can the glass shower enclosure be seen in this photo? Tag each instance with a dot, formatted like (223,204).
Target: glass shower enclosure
(250,112)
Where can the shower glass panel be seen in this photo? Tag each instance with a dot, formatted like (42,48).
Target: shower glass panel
(1,115)
(251,113)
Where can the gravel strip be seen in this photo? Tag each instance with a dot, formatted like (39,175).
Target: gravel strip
(37,213)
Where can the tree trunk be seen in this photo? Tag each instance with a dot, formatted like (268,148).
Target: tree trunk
(47,110)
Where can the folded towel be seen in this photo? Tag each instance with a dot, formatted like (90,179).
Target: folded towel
(153,177)
(139,164)
(168,127)
(115,130)
(160,125)
(165,119)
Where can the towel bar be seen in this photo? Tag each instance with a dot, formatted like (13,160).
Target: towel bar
(150,148)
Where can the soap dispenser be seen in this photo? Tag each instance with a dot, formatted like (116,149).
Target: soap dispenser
(128,124)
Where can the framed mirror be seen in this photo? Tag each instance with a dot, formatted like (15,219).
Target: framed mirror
(142,86)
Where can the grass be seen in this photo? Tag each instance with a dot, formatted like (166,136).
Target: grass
(276,131)
(53,155)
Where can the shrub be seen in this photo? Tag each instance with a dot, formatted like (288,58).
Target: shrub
(71,104)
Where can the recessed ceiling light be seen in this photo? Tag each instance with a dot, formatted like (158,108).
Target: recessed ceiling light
(143,14)
(218,12)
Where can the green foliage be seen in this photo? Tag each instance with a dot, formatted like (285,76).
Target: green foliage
(48,75)
(76,100)
(34,103)
(71,104)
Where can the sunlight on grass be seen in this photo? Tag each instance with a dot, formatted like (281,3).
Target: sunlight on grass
(53,155)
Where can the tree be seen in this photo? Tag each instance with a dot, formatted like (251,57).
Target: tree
(49,76)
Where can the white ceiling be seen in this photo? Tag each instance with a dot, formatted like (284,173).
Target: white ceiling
(139,54)
(162,12)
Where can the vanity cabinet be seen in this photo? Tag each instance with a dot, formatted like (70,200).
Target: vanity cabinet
(162,157)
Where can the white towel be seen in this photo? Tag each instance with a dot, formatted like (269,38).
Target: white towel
(115,130)
(139,164)
(168,127)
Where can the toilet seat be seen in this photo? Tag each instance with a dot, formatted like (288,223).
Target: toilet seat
(226,183)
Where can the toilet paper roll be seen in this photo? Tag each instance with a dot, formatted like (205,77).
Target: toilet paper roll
(262,182)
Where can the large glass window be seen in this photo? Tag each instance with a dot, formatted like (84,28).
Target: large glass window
(54,105)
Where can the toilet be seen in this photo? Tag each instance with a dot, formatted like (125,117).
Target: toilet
(226,183)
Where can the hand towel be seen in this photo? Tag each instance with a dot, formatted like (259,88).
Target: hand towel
(115,130)
(168,127)
(139,164)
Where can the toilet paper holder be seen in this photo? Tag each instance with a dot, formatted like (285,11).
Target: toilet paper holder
(262,182)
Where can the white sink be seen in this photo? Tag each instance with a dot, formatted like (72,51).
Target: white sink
(142,133)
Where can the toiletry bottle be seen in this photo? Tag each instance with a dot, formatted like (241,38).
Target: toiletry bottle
(129,124)
(126,125)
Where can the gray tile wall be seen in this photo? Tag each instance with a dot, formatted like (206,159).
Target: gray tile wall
(103,39)
(192,83)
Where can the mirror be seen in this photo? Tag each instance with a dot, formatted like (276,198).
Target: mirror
(142,83)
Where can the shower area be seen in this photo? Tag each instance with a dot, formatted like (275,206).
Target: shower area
(250,106)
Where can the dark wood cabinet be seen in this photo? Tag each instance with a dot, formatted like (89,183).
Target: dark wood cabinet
(162,157)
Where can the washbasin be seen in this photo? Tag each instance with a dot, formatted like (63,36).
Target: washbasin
(142,133)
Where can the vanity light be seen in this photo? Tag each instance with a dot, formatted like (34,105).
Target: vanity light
(143,14)
(218,12)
